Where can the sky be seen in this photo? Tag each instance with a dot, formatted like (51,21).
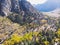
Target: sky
(37,1)
(43,1)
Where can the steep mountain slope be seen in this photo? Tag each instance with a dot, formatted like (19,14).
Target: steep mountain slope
(7,28)
(29,11)
(23,8)
(21,12)
(5,7)
(8,6)
(15,7)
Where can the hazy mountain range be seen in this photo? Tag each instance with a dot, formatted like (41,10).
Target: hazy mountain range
(50,5)
(54,13)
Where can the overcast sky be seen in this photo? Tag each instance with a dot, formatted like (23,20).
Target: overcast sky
(37,1)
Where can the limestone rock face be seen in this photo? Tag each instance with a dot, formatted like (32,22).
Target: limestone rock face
(15,7)
(7,6)
(29,10)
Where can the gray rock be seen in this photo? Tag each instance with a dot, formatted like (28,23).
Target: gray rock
(8,6)
(5,7)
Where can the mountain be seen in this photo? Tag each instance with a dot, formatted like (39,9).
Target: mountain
(45,7)
(8,6)
(14,14)
(19,11)
(50,5)
(54,13)
(19,17)
(23,8)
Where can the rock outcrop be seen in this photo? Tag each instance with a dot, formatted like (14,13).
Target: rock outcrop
(8,6)
(5,7)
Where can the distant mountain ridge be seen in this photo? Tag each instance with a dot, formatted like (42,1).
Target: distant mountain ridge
(54,13)
(45,8)
(50,5)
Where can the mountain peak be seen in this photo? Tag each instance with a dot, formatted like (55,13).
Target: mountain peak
(8,6)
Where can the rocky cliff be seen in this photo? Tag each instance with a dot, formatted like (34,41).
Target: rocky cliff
(8,6)
(18,6)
